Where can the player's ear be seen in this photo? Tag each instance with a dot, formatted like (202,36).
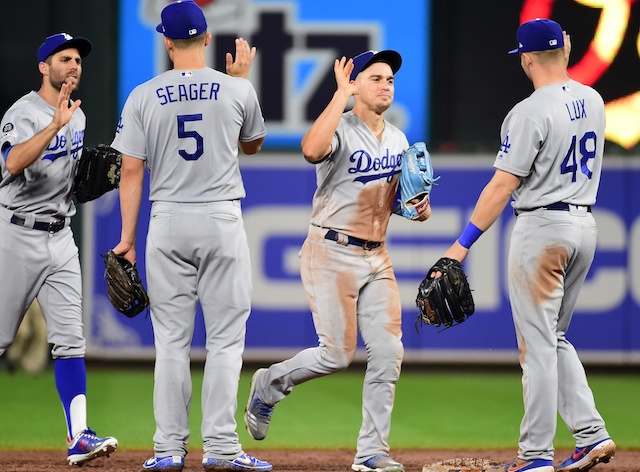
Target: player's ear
(207,39)
(168,44)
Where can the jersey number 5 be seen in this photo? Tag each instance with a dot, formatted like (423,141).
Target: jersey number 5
(587,151)
(184,134)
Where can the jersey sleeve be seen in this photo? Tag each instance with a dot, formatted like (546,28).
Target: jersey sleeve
(253,127)
(521,139)
(338,139)
(130,137)
(17,126)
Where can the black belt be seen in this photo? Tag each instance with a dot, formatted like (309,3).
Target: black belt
(52,227)
(335,236)
(561,206)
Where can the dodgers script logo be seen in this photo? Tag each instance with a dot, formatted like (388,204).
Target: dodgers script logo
(365,163)
(58,146)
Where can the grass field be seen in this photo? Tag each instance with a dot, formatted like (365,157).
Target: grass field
(435,408)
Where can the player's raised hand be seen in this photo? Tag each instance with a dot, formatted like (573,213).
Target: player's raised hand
(63,112)
(567,46)
(342,69)
(244,58)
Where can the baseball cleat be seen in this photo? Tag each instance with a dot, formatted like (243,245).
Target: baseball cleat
(584,458)
(164,463)
(520,465)
(257,414)
(242,462)
(379,463)
(86,446)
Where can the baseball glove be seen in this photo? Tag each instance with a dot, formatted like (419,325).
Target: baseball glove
(98,172)
(446,300)
(124,288)
(416,181)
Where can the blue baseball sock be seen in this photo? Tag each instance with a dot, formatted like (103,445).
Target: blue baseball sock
(71,382)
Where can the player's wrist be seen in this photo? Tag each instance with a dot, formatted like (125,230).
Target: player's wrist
(469,236)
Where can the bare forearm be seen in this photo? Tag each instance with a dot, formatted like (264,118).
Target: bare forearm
(24,154)
(130,199)
(316,143)
(491,203)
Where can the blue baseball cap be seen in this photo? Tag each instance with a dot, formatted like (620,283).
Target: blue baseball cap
(182,20)
(540,34)
(365,59)
(60,41)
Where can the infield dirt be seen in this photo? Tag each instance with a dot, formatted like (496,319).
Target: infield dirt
(295,460)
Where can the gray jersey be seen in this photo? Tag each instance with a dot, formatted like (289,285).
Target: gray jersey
(555,139)
(187,124)
(43,188)
(357,182)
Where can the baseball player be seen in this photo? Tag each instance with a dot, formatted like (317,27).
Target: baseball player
(186,126)
(42,139)
(345,266)
(549,161)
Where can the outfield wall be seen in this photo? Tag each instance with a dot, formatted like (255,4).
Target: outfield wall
(605,329)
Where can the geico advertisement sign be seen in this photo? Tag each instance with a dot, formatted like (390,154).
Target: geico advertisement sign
(276,271)
(277,223)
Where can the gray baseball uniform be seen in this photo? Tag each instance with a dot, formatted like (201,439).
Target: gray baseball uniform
(351,287)
(554,141)
(186,126)
(43,264)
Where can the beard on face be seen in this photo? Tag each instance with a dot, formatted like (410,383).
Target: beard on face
(57,79)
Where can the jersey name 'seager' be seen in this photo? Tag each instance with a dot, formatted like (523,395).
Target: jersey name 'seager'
(184,92)
(186,126)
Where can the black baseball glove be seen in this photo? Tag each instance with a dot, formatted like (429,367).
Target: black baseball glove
(98,173)
(124,287)
(446,300)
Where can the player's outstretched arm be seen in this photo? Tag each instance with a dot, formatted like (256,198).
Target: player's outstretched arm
(316,143)
(490,205)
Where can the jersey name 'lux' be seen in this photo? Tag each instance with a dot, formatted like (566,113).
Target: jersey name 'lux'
(576,110)
(184,92)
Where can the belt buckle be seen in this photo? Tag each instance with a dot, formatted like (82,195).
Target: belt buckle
(368,245)
(54,226)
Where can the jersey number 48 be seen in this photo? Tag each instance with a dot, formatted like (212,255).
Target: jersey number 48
(587,151)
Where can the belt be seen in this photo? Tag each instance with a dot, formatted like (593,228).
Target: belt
(560,206)
(335,236)
(52,227)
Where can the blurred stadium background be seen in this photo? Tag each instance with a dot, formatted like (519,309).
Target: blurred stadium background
(454,88)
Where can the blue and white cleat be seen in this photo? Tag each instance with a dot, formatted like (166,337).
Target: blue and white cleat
(584,458)
(164,463)
(379,463)
(86,446)
(257,414)
(519,465)
(242,462)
